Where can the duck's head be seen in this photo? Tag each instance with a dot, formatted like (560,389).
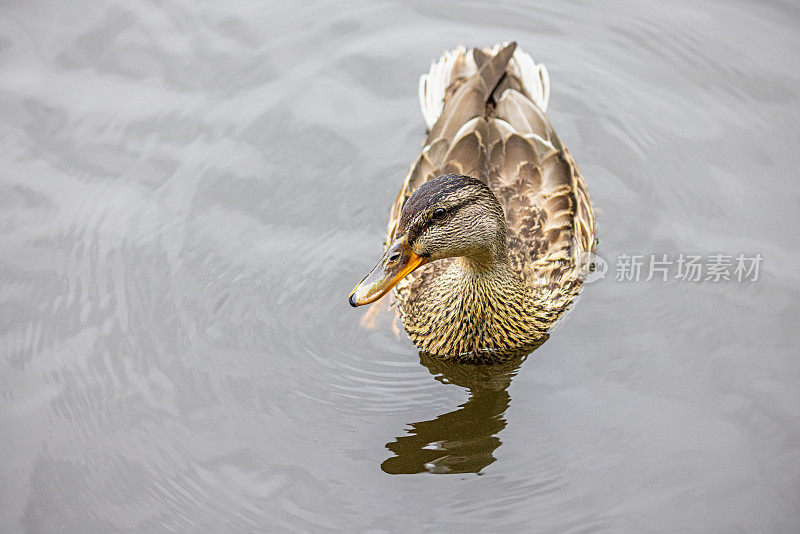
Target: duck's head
(449,216)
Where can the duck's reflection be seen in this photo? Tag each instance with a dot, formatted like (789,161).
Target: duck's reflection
(464,440)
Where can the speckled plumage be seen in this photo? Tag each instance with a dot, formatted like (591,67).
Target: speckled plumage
(491,129)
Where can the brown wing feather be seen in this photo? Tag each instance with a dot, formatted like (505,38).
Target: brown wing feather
(547,205)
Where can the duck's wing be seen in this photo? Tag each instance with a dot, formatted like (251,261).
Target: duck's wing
(550,220)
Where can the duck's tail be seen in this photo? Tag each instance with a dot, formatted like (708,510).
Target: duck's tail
(456,66)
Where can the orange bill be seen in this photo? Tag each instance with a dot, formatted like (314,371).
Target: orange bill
(397,262)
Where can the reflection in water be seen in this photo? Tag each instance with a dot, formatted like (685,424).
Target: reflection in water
(464,440)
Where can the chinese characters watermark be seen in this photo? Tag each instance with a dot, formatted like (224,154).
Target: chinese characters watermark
(687,267)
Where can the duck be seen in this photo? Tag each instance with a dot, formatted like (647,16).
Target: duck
(492,233)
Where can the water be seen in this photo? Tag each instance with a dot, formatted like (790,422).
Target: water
(189,191)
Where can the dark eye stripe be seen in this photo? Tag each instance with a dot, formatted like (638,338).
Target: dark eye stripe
(421,223)
(451,210)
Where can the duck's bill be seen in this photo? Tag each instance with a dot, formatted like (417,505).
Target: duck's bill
(397,262)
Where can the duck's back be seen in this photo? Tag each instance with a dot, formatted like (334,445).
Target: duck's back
(485,113)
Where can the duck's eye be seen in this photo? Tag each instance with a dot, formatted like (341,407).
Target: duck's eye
(439,213)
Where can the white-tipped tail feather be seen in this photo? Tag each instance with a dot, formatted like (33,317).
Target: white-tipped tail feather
(459,62)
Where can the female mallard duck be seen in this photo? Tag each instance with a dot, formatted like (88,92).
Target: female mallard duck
(488,237)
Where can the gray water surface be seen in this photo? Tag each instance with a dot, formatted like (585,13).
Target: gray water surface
(189,190)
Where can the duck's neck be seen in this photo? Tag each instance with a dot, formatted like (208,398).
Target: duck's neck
(478,304)
(488,290)
(486,265)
